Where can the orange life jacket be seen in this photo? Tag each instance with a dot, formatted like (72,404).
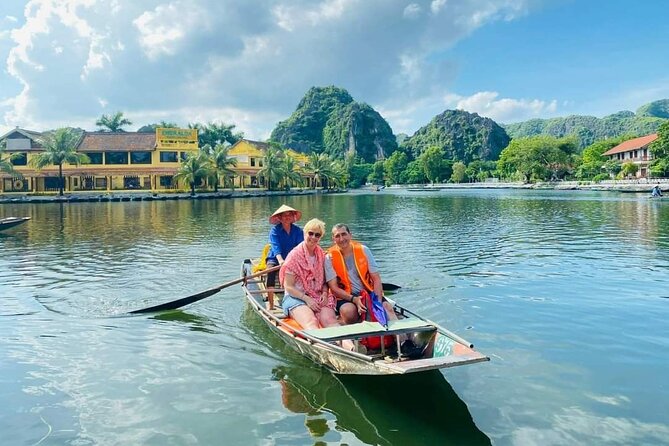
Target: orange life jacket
(361,265)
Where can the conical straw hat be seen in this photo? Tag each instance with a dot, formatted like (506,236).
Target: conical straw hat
(275,217)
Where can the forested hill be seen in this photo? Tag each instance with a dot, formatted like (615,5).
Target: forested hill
(327,119)
(589,129)
(463,136)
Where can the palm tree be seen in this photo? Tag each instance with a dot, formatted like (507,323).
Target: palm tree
(320,166)
(340,174)
(113,123)
(6,161)
(271,171)
(220,163)
(290,170)
(193,169)
(59,147)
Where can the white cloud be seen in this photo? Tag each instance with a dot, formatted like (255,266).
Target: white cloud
(251,61)
(412,11)
(487,103)
(437,5)
(164,29)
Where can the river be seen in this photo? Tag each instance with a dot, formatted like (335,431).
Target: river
(566,291)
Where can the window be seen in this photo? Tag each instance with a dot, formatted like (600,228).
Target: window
(166,181)
(116,157)
(168,157)
(21,159)
(140,157)
(94,157)
(184,155)
(253,162)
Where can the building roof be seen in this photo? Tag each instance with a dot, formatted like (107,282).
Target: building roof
(117,141)
(27,133)
(632,144)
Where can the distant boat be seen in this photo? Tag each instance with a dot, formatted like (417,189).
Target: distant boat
(10,222)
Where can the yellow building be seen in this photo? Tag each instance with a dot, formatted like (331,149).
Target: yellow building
(250,155)
(121,161)
(127,161)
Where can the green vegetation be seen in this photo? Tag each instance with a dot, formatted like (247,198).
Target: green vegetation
(194,169)
(328,120)
(538,158)
(221,165)
(6,161)
(655,109)
(589,129)
(113,123)
(151,128)
(462,136)
(594,166)
(216,133)
(59,147)
(271,172)
(660,149)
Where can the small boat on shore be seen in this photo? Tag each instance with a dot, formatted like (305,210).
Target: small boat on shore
(10,222)
(436,347)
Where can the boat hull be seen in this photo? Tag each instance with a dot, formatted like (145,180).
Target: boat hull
(442,349)
(10,222)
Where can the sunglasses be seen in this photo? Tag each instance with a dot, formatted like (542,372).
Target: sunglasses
(314,234)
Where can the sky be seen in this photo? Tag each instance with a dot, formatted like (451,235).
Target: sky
(249,62)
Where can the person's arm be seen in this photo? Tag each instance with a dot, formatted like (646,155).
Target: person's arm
(341,294)
(374,272)
(378,286)
(275,244)
(289,286)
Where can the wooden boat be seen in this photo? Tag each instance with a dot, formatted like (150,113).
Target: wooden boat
(436,347)
(10,222)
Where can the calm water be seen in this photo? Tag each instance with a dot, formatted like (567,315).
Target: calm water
(567,292)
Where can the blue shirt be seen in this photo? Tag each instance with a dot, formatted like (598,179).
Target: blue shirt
(281,242)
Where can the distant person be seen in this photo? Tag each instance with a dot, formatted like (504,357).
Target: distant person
(656,192)
(283,237)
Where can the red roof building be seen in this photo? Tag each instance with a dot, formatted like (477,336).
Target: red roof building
(634,151)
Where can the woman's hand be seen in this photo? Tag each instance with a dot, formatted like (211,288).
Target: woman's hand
(311,303)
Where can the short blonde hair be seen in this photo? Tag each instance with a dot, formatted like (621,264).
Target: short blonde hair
(314,225)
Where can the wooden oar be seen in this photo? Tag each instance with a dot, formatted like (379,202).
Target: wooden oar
(173,305)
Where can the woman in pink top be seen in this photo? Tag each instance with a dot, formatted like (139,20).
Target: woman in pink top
(306,298)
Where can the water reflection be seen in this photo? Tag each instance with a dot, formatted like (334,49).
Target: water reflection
(387,410)
(195,322)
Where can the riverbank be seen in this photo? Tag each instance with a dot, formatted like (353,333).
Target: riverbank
(632,186)
(87,197)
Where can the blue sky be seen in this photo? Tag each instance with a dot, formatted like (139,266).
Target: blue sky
(66,62)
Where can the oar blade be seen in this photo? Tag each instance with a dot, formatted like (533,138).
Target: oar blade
(390,287)
(178,303)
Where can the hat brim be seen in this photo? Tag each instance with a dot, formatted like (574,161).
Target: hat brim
(276,216)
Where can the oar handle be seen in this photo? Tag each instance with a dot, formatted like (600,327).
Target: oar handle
(245,278)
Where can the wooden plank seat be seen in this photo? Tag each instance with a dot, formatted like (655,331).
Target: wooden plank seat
(366,328)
